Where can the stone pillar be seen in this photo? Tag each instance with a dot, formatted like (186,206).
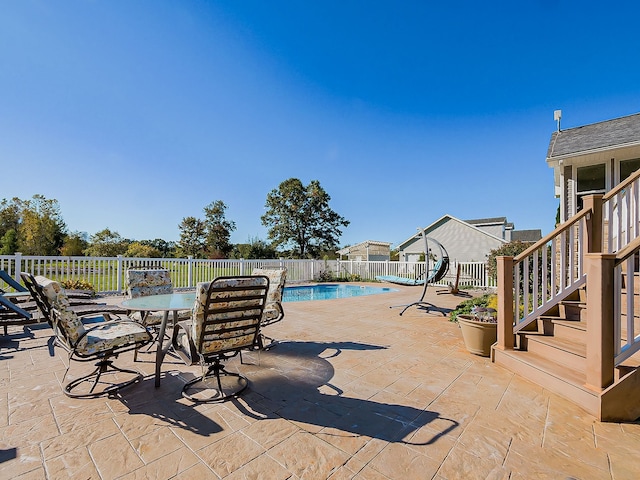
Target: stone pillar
(600,331)
(505,303)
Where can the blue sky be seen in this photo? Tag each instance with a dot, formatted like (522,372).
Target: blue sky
(136,114)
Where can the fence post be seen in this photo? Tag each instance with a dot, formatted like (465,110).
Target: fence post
(505,303)
(190,271)
(600,330)
(242,266)
(119,274)
(17,266)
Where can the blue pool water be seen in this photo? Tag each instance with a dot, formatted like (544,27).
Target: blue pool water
(329,291)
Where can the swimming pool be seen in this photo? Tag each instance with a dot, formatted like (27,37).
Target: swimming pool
(330,291)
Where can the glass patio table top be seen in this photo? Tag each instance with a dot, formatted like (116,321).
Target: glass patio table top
(166,302)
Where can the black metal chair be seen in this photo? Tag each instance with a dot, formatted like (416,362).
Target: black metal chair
(226,320)
(98,338)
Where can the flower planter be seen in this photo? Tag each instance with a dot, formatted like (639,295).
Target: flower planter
(478,336)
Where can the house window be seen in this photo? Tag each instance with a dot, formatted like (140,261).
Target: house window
(627,167)
(591,179)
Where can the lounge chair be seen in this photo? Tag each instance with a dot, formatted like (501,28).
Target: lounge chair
(12,314)
(11,282)
(437,273)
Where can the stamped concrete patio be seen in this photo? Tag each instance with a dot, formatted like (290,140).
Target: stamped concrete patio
(352,391)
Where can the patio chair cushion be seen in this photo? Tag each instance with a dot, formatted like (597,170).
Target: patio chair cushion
(109,335)
(234,341)
(145,282)
(141,283)
(273,307)
(58,299)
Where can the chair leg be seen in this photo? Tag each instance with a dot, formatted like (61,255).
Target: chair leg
(261,342)
(103,368)
(196,389)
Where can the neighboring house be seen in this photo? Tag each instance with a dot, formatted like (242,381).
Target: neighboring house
(466,240)
(592,159)
(367,251)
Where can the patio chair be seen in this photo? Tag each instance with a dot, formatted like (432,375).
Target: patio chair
(100,338)
(273,311)
(225,320)
(12,314)
(437,273)
(143,282)
(80,307)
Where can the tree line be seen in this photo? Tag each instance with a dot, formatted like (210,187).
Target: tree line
(300,224)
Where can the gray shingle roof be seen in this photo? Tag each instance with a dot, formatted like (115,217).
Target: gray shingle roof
(483,221)
(610,133)
(526,235)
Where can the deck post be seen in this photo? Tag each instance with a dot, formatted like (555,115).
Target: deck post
(594,222)
(505,303)
(600,332)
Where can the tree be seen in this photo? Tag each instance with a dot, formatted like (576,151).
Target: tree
(166,249)
(41,230)
(137,249)
(9,242)
(300,217)
(218,230)
(106,243)
(510,249)
(192,238)
(75,244)
(10,215)
(256,248)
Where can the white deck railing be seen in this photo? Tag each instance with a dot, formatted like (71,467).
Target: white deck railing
(107,274)
(621,214)
(549,270)
(621,225)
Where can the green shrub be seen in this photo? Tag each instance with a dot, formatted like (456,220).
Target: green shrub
(510,249)
(77,285)
(325,276)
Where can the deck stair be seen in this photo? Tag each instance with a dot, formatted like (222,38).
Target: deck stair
(552,353)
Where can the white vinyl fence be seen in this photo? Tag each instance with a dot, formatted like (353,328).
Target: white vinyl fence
(107,274)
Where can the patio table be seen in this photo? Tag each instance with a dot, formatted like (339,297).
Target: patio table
(171,302)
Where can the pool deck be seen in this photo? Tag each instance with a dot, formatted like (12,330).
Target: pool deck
(353,391)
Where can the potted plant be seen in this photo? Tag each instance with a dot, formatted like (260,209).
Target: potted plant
(478,323)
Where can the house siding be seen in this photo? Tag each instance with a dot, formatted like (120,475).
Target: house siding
(462,242)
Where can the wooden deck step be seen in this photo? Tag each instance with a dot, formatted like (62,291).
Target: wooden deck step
(563,351)
(560,379)
(573,310)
